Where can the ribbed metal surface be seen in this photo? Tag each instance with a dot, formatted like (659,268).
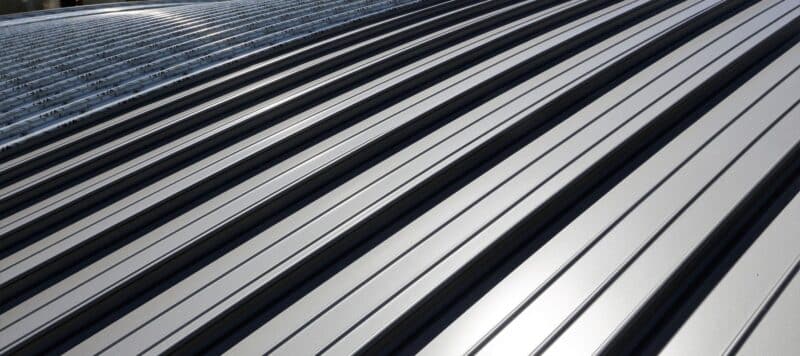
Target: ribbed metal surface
(104,60)
(466,177)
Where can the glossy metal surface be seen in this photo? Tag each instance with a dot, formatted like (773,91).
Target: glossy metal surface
(482,177)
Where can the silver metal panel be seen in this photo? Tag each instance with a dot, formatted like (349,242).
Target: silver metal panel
(62,79)
(736,307)
(432,177)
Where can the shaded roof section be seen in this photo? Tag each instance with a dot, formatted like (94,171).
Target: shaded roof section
(114,57)
(455,177)
(97,8)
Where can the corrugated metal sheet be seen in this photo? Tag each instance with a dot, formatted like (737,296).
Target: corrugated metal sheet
(465,177)
(109,60)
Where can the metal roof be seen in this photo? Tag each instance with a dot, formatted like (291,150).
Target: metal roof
(113,57)
(449,177)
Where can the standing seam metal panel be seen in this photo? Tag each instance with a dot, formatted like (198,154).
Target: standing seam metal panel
(482,177)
